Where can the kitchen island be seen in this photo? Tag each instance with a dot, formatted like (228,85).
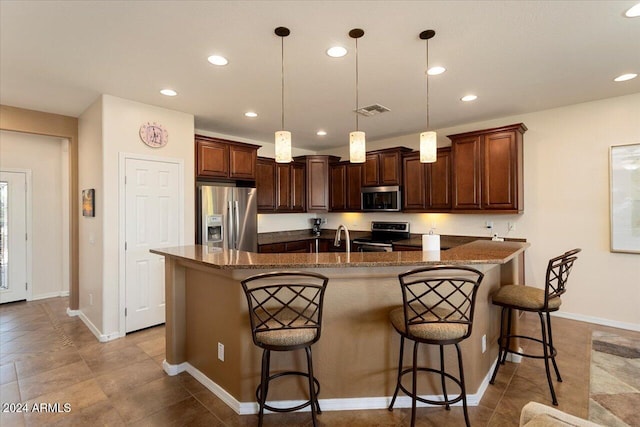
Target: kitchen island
(356,357)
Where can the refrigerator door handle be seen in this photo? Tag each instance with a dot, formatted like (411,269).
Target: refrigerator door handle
(230,227)
(237,223)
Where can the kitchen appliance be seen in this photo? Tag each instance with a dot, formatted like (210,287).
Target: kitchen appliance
(315,229)
(381,199)
(383,234)
(227,217)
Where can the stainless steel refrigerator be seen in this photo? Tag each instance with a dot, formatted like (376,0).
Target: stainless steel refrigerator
(228,217)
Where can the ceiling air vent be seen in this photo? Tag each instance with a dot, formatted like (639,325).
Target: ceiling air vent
(372,110)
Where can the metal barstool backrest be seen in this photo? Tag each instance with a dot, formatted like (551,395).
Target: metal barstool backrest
(287,301)
(443,295)
(558,271)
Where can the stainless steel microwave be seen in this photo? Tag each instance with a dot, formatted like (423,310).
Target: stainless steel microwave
(381,199)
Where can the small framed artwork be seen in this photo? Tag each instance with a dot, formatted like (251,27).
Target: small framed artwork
(89,202)
(624,179)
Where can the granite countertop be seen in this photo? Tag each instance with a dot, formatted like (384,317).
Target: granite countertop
(476,252)
(446,241)
(297,235)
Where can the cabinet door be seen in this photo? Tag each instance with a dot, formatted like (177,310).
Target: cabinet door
(390,165)
(414,173)
(298,187)
(242,161)
(439,181)
(299,246)
(338,182)
(213,159)
(318,180)
(371,170)
(354,185)
(466,173)
(283,187)
(272,248)
(499,175)
(266,185)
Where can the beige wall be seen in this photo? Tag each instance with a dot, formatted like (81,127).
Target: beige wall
(43,155)
(108,128)
(39,123)
(566,204)
(91,232)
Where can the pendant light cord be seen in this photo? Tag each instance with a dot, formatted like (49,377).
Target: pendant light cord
(282,89)
(357,103)
(427,78)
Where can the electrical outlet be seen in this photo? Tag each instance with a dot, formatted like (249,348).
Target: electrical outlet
(221,351)
(324,220)
(488,224)
(511,226)
(90,299)
(484,343)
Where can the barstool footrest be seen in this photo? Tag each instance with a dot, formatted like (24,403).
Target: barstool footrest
(505,338)
(292,408)
(447,402)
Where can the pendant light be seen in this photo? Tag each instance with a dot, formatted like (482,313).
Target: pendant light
(428,139)
(357,143)
(283,137)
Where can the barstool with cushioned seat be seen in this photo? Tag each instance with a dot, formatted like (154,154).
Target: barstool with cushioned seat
(285,309)
(537,300)
(438,306)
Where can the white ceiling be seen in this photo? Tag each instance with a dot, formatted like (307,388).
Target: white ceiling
(517,56)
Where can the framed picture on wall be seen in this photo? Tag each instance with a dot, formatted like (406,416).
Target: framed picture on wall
(624,180)
(88,202)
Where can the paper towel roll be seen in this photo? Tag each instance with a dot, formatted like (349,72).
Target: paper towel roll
(431,255)
(430,242)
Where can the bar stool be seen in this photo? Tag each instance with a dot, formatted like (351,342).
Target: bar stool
(438,305)
(537,300)
(285,310)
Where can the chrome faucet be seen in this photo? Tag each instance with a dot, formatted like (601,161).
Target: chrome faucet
(336,241)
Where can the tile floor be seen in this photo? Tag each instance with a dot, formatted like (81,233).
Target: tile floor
(49,357)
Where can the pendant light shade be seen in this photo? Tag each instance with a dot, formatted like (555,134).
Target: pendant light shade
(428,139)
(428,147)
(357,140)
(283,146)
(357,147)
(282,137)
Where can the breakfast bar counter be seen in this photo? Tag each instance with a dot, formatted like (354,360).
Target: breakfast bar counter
(356,357)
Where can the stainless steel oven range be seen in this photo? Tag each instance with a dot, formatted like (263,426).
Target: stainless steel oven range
(383,234)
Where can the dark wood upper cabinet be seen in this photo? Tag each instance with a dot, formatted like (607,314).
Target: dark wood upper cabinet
(221,159)
(427,186)
(487,170)
(280,187)
(266,184)
(384,167)
(346,182)
(317,181)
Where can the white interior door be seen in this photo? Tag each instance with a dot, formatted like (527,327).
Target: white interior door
(13,236)
(151,221)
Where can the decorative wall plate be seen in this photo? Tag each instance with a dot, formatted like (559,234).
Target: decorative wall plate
(154,135)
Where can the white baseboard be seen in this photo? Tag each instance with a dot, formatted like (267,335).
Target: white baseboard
(172,370)
(49,295)
(598,321)
(94,330)
(346,404)
(72,313)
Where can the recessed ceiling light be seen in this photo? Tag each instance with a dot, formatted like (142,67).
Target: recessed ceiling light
(251,114)
(168,92)
(625,77)
(468,98)
(218,60)
(434,71)
(633,12)
(336,51)
(321,133)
